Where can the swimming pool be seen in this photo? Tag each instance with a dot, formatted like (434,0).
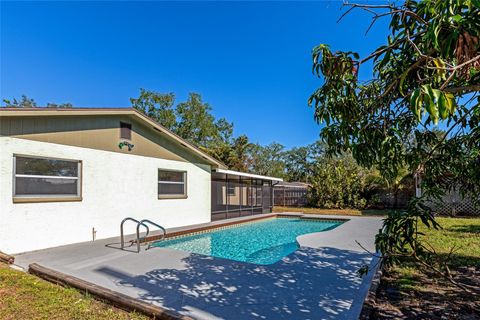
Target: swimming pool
(263,242)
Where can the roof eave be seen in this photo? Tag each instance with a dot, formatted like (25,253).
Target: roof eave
(245,174)
(112,111)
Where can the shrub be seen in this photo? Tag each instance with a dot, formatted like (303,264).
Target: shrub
(337,183)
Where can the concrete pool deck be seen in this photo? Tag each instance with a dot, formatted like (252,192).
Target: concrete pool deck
(318,281)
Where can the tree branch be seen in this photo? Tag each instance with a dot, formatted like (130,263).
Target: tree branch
(458,66)
(365,7)
(391,46)
(463,89)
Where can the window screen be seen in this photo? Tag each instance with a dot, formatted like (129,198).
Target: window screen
(43,177)
(125,130)
(172,184)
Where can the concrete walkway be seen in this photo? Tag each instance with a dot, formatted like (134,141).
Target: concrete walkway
(318,281)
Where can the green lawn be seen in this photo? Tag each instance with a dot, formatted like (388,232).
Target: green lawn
(461,234)
(24,296)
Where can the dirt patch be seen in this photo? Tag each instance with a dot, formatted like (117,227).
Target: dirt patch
(418,295)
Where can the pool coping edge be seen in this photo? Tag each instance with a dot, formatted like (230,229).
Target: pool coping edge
(218,226)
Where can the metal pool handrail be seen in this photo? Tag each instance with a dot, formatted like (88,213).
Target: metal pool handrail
(142,222)
(122,238)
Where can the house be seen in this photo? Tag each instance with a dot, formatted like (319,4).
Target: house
(72,175)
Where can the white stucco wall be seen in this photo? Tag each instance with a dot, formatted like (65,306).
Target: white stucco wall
(114,186)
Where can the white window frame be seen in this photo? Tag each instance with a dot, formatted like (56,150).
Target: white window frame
(46,197)
(173,196)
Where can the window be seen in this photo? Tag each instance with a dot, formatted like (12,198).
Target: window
(231,190)
(172,184)
(125,130)
(46,179)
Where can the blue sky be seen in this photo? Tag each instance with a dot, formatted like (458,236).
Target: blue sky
(251,61)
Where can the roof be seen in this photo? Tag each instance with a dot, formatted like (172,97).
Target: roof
(294,184)
(249,175)
(42,112)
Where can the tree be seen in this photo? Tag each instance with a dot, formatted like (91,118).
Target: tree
(235,153)
(24,102)
(297,164)
(426,74)
(337,182)
(267,160)
(240,159)
(196,124)
(191,120)
(158,106)
(225,130)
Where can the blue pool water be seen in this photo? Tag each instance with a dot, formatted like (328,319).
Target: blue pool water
(263,242)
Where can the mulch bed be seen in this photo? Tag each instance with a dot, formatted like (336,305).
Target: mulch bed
(431,298)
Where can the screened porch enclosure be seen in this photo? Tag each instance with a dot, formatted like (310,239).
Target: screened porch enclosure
(235,195)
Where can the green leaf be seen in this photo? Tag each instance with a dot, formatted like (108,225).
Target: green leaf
(440,64)
(436,32)
(442,106)
(429,99)
(457,18)
(415,103)
(451,104)
(436,94)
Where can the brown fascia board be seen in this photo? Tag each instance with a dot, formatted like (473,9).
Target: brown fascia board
(43,111)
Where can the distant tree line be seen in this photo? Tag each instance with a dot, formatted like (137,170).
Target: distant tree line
(26,102)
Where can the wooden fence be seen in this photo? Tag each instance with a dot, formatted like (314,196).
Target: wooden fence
(290,196)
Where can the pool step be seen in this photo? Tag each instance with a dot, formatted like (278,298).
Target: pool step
(269,255)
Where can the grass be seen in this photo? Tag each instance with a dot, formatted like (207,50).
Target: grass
(346,212)
(462,235)
(25,296)
(410,292)
(408,278)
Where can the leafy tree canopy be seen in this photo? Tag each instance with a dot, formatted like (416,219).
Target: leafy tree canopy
(337,182)
(158,106)
(268,160)
(192,119)
(234,152)
(196,123)
(426,76)
(23,102)
(297,164)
